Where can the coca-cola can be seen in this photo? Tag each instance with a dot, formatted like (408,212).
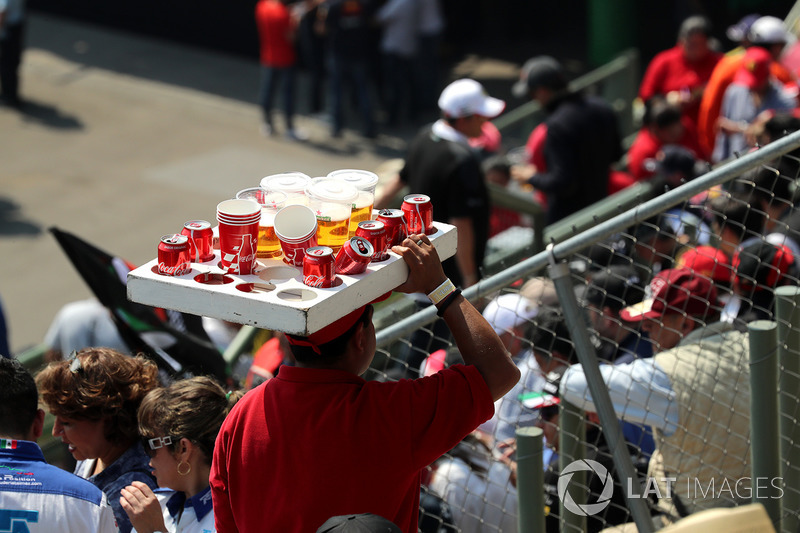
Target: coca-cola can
(418,211)
(173,255)
(319,267)
(375,232)
(354,256)
(395,222)
(200,237)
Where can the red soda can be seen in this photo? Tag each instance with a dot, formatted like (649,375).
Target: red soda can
(395,222)
(418,211)
(375,232)
(200,236)
(173,255)
(319,267)
(354,256)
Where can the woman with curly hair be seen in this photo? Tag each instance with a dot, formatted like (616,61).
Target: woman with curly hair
(179,425)
(94,396)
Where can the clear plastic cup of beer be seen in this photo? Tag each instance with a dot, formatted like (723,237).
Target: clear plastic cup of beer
(365,182)
(332,202)
(271,202)
(292,183)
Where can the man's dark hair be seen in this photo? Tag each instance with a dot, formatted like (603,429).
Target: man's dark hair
(19,399)
(695,24)
(549,334)
(660,113)
(736,212)
(333,350)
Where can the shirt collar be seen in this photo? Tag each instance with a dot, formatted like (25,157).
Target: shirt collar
(200,502)
(445,131)
(21,449)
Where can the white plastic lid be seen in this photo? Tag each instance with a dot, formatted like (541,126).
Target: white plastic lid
(267,198)
(290,182)
(363,180)
(332,190)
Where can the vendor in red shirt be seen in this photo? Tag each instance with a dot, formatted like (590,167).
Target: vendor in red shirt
(319,441)
(681,73)
(662,125)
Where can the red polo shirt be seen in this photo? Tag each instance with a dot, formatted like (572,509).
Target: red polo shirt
(311,444)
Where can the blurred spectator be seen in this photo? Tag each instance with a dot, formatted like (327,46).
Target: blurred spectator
(609,291)
(479,489)
(597,449)
(426,74)
(581,143)
(311,49)
(681,73)
(713,264)
(12,33)
(94,396)
(498,171)
(399,44)
(753,91)
(345,24)
(760,268)
(489,142)
(277,29)
(42,494)
(441,165)
(674,165)
(662,126)
(694,391)
(768,38)
(735,220)
(178,425)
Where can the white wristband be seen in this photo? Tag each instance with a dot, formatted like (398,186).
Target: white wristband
(441,292)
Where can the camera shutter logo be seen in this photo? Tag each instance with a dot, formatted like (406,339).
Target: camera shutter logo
(585,465)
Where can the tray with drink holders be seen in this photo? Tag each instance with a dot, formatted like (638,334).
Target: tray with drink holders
(274,296)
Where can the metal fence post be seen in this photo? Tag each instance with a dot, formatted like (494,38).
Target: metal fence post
(530,479)
(787,311)
(571,448)
(559,273)
(765,447)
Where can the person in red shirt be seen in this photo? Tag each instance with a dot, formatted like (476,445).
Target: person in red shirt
(662,125)
(276,32)
(681,73)
(318,440)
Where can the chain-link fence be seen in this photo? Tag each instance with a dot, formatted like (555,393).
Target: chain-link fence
(649,347)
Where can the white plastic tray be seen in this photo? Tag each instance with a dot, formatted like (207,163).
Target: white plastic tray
(290,306)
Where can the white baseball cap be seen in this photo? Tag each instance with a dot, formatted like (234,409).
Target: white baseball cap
(768,30)
(509,311)
(466,97)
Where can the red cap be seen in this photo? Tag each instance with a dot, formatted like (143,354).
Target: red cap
(754,70)
(762,265)
(676,290)
(333,330)
(707,261)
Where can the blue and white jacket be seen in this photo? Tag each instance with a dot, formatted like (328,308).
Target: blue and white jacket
(38,497)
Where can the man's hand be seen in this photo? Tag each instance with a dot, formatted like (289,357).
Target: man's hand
(425,272)
(142,507)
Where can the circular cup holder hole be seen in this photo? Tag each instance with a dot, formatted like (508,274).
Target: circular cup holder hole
(278,273)
(256,287)
(210,278)
(297,295)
